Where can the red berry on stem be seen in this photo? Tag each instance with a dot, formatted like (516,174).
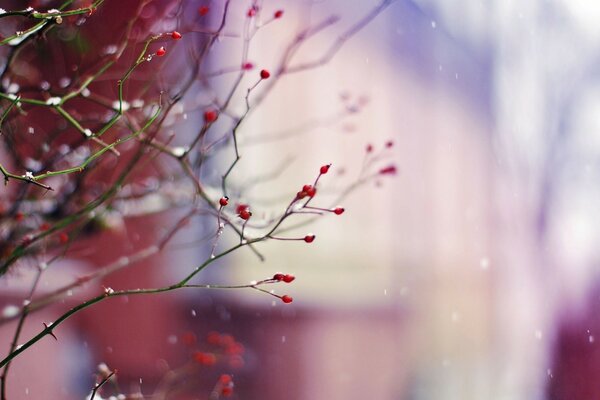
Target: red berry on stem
(278,277)
(287,299)
(264,74)
(203,10)
(287,278)
(223,201)
(176,35)
(245,214)
(311,192)
(325,169)
(338,210)
(309,238)
(210,116)
(161,52)
(278,14)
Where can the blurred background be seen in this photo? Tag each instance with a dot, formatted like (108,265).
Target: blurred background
(472,274)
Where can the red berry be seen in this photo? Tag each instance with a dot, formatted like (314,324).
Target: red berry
(278,14)
(311,192)
(278,277)
(203,10)
(389,143)
(161,52)
(241,207)
(251,12)
(309,238)
(287,299)
(227,391)
(389,170)
(225,379)
(63,238)
(223,201)
(210,116)
(264,74)
(245,214)
(369,148)
(288,278)
(176,35)
(44,226)
(19,216)
(325,169)
(338,210)
(247,66)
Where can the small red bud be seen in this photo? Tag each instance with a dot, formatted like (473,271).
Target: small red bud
(278,14)
(309,238)
(161,52)
(278,277)
(247,66)
(223,201)
(306,188)
(63,238)
(210,116)
(176,35)
(203,10)
(325,169)
(288,278)
(338,210)
(264,74)
(389,170)
(287,299)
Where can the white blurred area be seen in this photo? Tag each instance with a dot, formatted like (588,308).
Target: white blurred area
(448,280)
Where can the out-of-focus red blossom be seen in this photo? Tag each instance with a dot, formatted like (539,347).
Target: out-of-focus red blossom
(207,359)
(213,338)
(188,338)
(227,340)
(225,379)
(235,349)
(389,170)
(236,362)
